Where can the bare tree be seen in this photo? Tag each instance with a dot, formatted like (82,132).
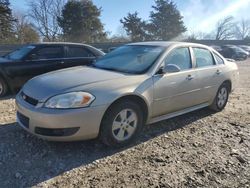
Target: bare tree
(24,30)
(44,14)
(224,29)
(242,30)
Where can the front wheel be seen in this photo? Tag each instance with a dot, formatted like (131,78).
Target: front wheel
(221,98)
(121,124)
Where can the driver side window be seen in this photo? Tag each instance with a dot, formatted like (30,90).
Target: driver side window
(179,57)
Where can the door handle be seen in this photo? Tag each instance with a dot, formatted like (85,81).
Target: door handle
(190,77)
(62,62)
(218,72)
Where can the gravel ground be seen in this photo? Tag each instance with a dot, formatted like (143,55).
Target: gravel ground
(199,149)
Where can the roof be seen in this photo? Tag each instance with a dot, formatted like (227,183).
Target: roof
(166,43)
(155,43)
(57,43)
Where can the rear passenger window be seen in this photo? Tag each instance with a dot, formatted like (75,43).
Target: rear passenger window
(52,52)
(180,57)
(79,52)
(218,59)
(203,57)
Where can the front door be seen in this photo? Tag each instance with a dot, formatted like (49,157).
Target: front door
(176,91)
(42,60)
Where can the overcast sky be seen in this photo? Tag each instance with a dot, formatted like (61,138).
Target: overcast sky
(199,15)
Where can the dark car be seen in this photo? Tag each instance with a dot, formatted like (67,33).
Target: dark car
(246,48)
(31,60)
(234,52)
(217,48)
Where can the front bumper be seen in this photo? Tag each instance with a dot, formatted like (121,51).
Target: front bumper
(78,124)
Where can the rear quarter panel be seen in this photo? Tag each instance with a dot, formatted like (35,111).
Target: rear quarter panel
(232,73)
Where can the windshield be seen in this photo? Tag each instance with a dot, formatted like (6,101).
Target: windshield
(239,50)
(19,53)
(130,58)
(245,47)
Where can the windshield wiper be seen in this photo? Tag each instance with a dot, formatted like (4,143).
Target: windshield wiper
(110,69)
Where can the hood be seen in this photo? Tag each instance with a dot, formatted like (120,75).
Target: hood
(53,83)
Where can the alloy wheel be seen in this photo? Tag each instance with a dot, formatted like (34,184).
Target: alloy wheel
(124,124)
(222,97)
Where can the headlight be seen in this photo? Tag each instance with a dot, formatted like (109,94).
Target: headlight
(70,100)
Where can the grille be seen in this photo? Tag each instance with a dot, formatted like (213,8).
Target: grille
(29,99)
(23,119)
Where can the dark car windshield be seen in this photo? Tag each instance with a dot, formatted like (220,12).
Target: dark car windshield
(238,50)
(19,53)
(245,48)
(133,59)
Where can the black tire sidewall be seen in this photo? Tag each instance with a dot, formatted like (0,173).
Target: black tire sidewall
(4,90)
(106,125)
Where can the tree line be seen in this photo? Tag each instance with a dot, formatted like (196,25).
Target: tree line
(79,21)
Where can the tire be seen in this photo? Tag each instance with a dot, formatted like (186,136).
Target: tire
(3,88)
(118,130)
(221,98)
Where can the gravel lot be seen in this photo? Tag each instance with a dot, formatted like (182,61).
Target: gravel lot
(199,149)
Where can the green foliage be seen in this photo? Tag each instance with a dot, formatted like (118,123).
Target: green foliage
(135,27)
(6,22)
(165,23)
(166,20)
(80,22)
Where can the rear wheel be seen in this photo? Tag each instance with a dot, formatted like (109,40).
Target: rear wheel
(121,124)
(221,98)
(3,87)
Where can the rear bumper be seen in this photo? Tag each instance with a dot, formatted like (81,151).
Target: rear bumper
(60,125)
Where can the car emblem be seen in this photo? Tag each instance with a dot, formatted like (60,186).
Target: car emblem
(24,97)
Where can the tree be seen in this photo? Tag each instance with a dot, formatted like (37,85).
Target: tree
(24,30)
(166,21)
(80,22)
(6,22)
(135,27)
(243,29)
(44,15)
(224,29)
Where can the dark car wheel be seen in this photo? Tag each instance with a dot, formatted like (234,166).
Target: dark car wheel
(3,87)
(221,98)
(121,124)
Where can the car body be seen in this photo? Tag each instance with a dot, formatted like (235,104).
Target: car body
(111,49)
(234,52)
(176,78)
(31,60)
(217,48)
(246,48)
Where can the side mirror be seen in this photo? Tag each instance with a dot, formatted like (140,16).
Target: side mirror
(171,68)
(32,57)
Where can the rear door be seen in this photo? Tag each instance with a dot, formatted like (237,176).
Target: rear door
(78,55)
(210,72)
